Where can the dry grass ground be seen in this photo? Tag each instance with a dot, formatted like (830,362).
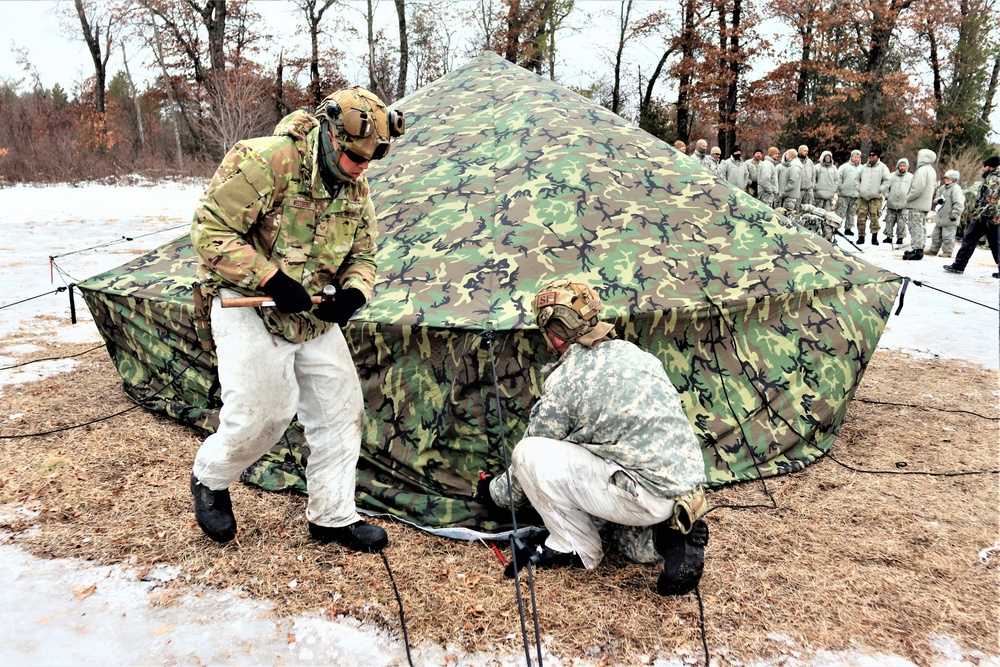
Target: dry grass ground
(845,560)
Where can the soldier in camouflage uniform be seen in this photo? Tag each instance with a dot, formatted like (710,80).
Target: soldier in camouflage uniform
(287,215)
(608,442)
(984,220)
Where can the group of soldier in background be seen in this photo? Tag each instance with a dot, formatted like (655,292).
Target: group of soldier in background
(857,194)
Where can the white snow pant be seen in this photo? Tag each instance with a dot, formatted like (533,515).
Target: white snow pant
(265,380)
(572,490)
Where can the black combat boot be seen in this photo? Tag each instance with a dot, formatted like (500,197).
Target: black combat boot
(861,238)
(918,254)
(214,511)
(358,536)
(908,254)
(874,239)
(683,557)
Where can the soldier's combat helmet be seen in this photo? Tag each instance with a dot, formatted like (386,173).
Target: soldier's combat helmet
(361,124)
(566,309)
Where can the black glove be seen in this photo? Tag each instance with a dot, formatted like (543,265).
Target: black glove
(288,295)
(340,308)
(531,549)
(940,201)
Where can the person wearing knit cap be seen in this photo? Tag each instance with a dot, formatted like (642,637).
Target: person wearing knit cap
(714,160)
(899,187)
(681,147)
(984,219)
(808,176)
(789,181)
(873,186)
(950,201)
(767,178)
(734,169)
(753,169)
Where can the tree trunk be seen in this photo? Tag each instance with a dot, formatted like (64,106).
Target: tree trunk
(214,17)
(616,99)
(991,90)
(683,106)
(93,38)
(404,50)
(736,70)
(723,103)
(514,28)
(806,32)
(158,52)
(135,100)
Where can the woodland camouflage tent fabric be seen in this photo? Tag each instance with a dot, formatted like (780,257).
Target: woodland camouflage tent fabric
(502,182)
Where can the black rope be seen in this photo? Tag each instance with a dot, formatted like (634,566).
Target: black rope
(138,404)
(902,464)
(31,298)
(924,407)
(123,239)
(923,284)
(402,619)
(35,361)
(701,617)
(739,423)
(490,336)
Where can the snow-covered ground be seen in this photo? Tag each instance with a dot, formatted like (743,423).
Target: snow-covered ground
(49,614)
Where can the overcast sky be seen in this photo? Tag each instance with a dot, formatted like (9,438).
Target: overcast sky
(55,47)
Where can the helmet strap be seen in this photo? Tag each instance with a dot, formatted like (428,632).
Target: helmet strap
(333,176)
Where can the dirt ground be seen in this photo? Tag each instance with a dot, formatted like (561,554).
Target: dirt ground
(862,550)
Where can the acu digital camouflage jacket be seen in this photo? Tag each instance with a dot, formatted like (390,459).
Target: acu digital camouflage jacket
(617,402)
(267,208)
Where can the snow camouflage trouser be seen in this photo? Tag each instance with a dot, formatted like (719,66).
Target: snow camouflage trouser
(768,199)
(869,209)
(895,219)
(790,204)
(807,198)
(823,203)
(575,492)
(265,381)
(916,224)
(943,239)
(846,209)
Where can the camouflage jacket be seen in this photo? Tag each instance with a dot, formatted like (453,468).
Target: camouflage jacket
(987,206)
(617,402)
(267,208)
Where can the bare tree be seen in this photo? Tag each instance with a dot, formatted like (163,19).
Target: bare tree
(239,108)
(314,11)
(98,53)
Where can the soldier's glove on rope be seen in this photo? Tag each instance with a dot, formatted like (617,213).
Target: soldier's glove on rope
(288,295)
(340,308)
(531,548)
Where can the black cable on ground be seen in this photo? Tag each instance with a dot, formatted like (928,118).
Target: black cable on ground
(35,361)
(138,404)
(926,407)
(490,336)
(902,464)
(38,296)
(701,617)
(402,620)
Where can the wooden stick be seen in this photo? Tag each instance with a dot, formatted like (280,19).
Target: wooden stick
(257,301)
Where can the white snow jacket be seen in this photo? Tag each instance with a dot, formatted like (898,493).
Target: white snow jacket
(899,186)
(827,177)
(736,173)
(790,179)
(952,201)
(921,193)
(808,173)
(872,180)
(767,178)
(848,177)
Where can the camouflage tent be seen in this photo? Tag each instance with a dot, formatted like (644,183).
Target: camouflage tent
(504,181)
